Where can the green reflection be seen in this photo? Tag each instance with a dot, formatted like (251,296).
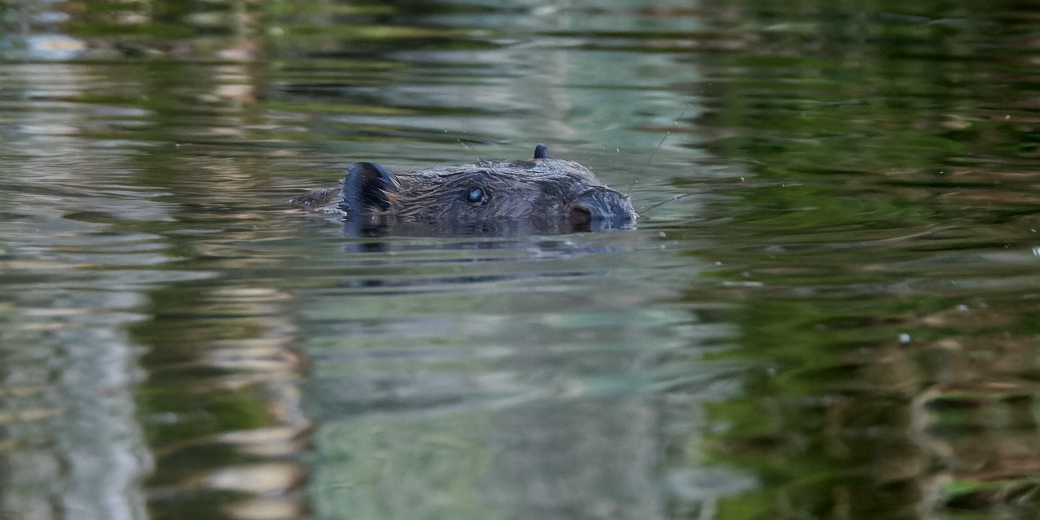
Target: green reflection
(405,469)
(881,143)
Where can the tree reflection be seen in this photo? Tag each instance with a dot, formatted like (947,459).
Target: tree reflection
(882,391)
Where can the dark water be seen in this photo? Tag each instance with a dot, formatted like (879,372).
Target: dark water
(836,317)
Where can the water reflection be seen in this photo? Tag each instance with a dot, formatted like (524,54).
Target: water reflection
(234,445)
(72,445)
(887,291)
(837,322)
(62,30)
(93,236)
(532,394)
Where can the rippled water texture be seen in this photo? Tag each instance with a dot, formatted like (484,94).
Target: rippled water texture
(829,308)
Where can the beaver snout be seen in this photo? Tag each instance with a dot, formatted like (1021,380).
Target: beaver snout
(600,207)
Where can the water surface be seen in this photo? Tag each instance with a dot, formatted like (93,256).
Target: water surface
(827,309)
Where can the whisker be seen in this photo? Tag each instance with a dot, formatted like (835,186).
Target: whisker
(652,154)
(662,203)
(468,149)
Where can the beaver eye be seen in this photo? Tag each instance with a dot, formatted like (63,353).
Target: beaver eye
(475,195)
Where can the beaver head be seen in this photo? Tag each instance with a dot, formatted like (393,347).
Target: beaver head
(542,194)
(541,189)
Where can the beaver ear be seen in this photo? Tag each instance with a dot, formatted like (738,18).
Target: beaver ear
(541,152)
(367,185)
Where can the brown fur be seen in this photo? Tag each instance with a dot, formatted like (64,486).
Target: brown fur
(535,190)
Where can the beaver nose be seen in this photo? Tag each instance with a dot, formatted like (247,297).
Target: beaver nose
(600,207)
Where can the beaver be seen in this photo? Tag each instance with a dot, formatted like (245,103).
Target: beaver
(539,195)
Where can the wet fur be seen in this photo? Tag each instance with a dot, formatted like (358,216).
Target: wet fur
(539,190)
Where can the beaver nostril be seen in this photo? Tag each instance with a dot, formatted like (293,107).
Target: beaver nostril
(475,195)
(579,216)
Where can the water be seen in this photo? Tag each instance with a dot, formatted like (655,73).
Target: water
(828,308)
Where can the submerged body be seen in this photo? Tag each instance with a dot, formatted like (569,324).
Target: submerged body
(540,195)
